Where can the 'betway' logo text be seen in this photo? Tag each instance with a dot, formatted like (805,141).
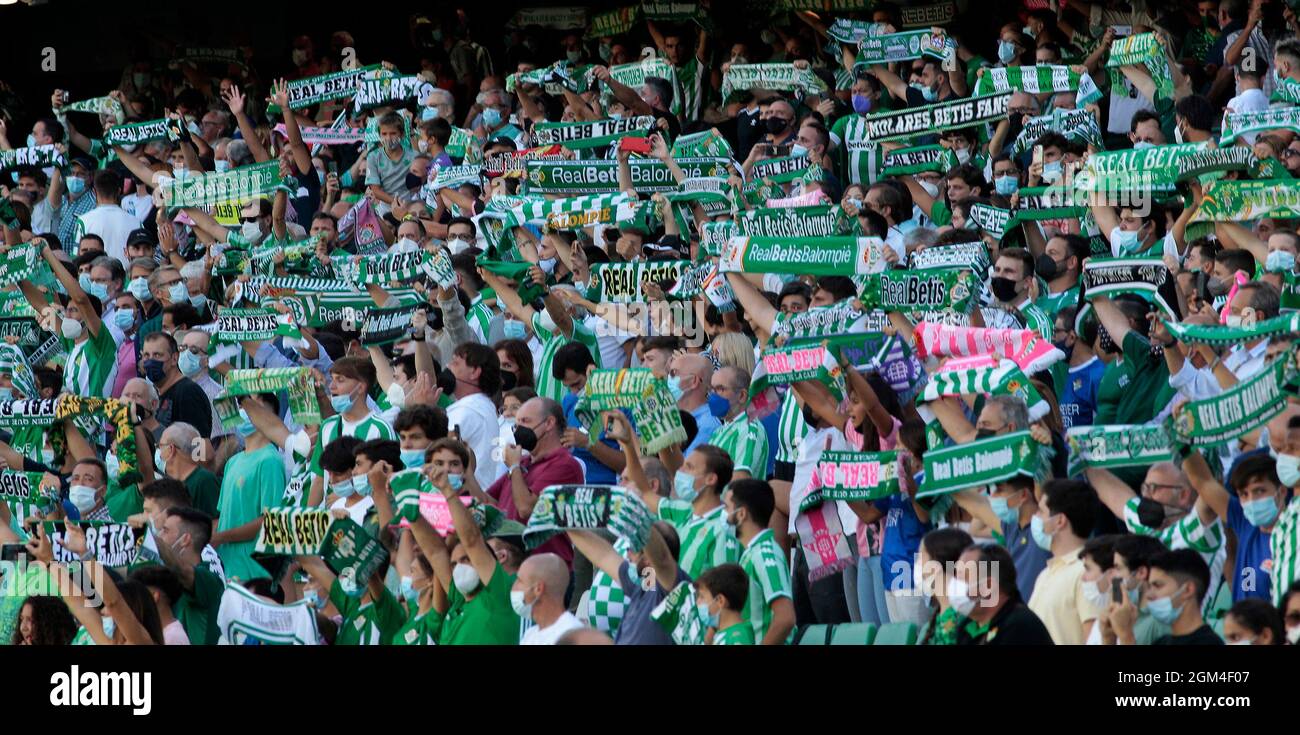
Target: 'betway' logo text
(109,689)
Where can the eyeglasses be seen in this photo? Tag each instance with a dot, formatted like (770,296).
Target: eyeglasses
(194,349)
(1290,153)
(1153,486)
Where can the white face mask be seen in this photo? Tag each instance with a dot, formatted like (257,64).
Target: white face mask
(251,231)
(1293,635)
(465,578)
(963,155)
(1094,594)
(457,246)
(930,188)
(71,328)
(959,596)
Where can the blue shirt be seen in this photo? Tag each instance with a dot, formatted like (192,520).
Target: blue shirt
(706,423)
(1253,563)
(598,473)
(903,532)
(771,425)
(1079,395)
(1028,557)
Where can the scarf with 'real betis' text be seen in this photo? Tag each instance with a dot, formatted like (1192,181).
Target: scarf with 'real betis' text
(1236,124)
(589,508)
(593,133)
(887,48)
(795,362)
(984,376)
(1245,201)
(779,77)
(823,256)
(98,106)
(1246,407)
(135,133)
(1118,445)
(253,325)
(979,463)
(1025,347)
(1144,49)
(654,412)
(296,381)
(852,476)
(1041,79)
(926,290)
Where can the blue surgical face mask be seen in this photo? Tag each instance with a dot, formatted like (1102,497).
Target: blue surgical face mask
(718,406)
(513,329)
(456,481)
(124,319)
(179,293)
(1041,537)
(222,165)
(1006,185)
(1052,171)
(198,301)
(361,483)
(1004,512)
(709,620)
(189,363)
(929,94)
(1006,52)
(1288,470)
(342,403)
(7,394)
(110,626)
(1260,512)
(139,288)
(313,598)
(76,184)
(409,592)
(246,427)
(1143,144)
(684,486)
(491,117)
(675,387)
(1163,610)
(412,458)
(1279,261)
(797,150)
(1127,241)
(861,104)
(344,488)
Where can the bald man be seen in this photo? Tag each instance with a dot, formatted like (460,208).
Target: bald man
(538,595)
(690,378)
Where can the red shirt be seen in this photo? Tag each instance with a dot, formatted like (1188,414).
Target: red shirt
(557,468)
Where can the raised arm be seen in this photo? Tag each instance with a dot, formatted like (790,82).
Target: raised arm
(1206,485)
(598,551)
(661,559)
(234,99)
(470,535)
(1111,318)
(618,428)
(1112,491)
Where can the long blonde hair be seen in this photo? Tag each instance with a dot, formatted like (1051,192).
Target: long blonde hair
(735,350)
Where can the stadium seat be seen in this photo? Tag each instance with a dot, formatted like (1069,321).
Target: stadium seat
(853,634)
(814,635)
(896,634)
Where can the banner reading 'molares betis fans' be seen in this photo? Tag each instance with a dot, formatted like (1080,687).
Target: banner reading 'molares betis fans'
(245,182)
(818,256)
(979,463)
(937,118)
(1245,201)
(649,175)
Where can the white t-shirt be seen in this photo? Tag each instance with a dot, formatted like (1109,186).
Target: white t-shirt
(357,510)
(810,453)
(1251,100)
(112,224)
(538,636)
(610,339)
(476,416)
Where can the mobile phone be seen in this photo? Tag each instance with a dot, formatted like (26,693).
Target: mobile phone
(634,145)
(11,552)
(1117,590)
(332,167)
(777,151)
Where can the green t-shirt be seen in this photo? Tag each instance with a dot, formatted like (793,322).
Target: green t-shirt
(252,481)
(369,624)
(1117,376)
(420,630)
(197,608)
(204,492)
(1148,391)
(1051,305)
(123,502)
(739,634)
(486,620)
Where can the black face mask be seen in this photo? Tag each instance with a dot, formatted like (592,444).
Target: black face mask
(447,381)
(508,380)
(984,433)
(413,181)
(1004,289)
(1105,342)
(776,125)
(1046,267)
(525,438)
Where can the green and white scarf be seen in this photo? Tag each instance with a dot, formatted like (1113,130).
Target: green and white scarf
(925,16)
(1246,201)
(592,134)
(1147,277)
(816,221)
(564,19)
(453,176)
(20,487)
(41,156)
(1118,445)
(210,189)
(385,326)
(890,47)
(917,159)
(463,144)
(714,236)
(779,170)
(782,77)
(654,411)
(852,476)
(614,23)
(253,325)
(98,106)
(1043,79)
(984,376)
(795,362)
(989,218)
(297,382)
(1039,203)
(1144,49)
(589,508)
(936,118)
(395,267)
(634,75)
(1217,160)
(649,175)
(624,283)
(1287,90)
(574,212)
(708,144)
(440,269)
(292,531)
(325,87)
(916,291)
(1076,125)
(1236,124)
(1144,170)
(19,263)
(979,463)
(353,554)
(1248,406)
(135,133)
(573,78)
(317,310)
(972,255)
(821,322)
(1218,336)
(819,256)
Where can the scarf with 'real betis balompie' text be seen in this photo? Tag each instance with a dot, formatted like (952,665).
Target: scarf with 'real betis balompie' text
(1025,347)
(984,376)
(1118,445)
(1219,335)
(1246,201)
(654,412)
(911,291)
(1246,407)
(780,77)
(979,463)
(589,508)
(1236,124)
(325,87)
(826,256)
(624,283)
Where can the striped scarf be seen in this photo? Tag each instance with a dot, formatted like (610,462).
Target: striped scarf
(1041,79)
(573,212)
(654,412)
(1025,347)
(1144,49)
(984,376)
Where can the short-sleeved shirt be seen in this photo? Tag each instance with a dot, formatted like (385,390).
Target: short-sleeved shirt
(366,624)
(1053,303)
(1014,625)
(638,628)
(557,468)
(205,494)
(1059,602)
(1148,391)
(1187,532)
(487,619)
(251,481)
(1253,565)
(903,533)
(420,630)
(861,159)
(740,634)
(705,424)
(388,174)
(547,385)
(1079,394)
(705,540)
(1116,378)
(1027,556)
(745,441)
(91,365)
(197,608)
(769,579)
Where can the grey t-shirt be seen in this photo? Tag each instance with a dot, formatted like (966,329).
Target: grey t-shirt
(637,628)
(390,175)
